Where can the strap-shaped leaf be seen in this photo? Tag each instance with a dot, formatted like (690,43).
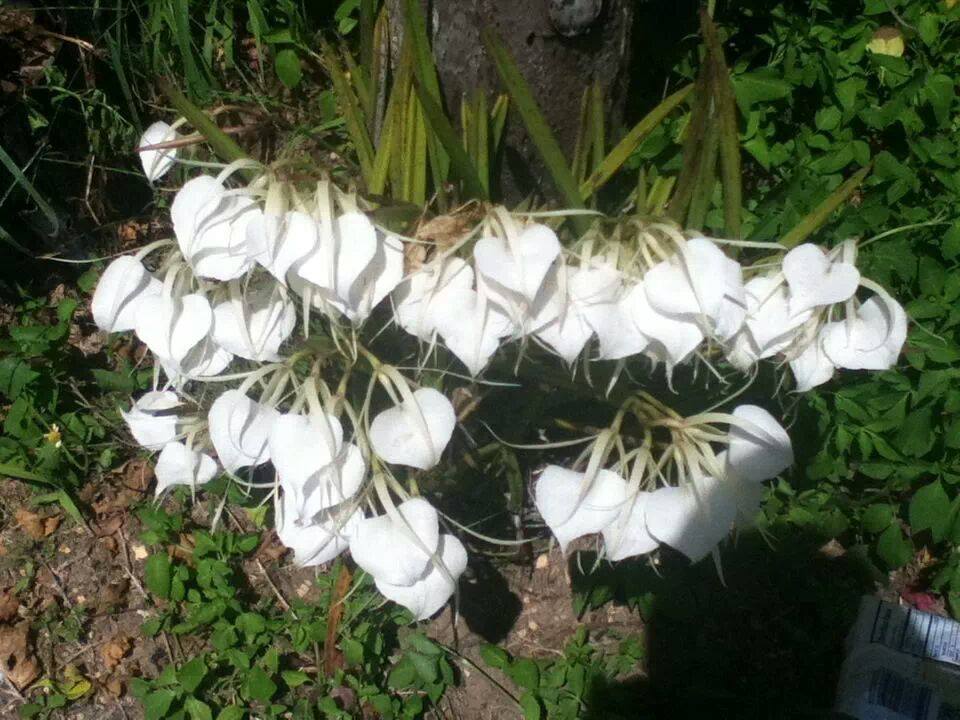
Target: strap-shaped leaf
(537,127)
(820,214)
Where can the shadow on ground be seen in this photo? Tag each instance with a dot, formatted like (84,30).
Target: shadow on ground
(768,645)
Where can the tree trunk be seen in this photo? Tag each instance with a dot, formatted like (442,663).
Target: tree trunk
(561,47)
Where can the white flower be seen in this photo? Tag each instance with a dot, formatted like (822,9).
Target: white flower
(415,432)
(179,465)
(397,550)
(316,470)
(156,163)
(693,518)
(279,242)
(471,326)
(616,326)
(178,331)
(770,322)
(519,266)
(672,339)
(423,299)
(699,284)
(122,287)
(871,340)
(815,280)
(434,587)
(256,326)
(151,421)
(211,228)
(239,428)
(627,535)
(317,541)
(571,510)
(811,367)
(760,448)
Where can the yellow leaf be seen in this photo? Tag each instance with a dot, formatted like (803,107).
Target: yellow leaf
(887,41)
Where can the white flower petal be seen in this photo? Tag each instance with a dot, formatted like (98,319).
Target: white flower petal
(150,421)
(870,341)
(558,498)
(387,549)
(694,518)
(316,542)
(269,318)
(760,451)
(414,433)
(811,367)
(814,280)
(179,465)
(156,163)
(422,297)
(171,327)
(430,592)
(239,428)
(122,287)
(627,535)
(522,266)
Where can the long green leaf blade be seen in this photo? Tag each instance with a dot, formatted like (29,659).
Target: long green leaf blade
(24,182)
(820,214)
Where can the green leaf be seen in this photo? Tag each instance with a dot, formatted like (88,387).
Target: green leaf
(426,666)
(877,517)
(819,215)
(251,624)
(537,127)
(231,713)
(29,188)
(930,509)
(940,92)
(287,65)
(192,674)
(759,86)
(157,703)
(525,673)
(259,685)
(294,678)
(893,548)
(158,574)
(530,707)
(197,709)
(495,657)
(15,375)
(916,436)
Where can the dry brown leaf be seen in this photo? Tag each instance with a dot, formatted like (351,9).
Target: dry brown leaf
(114,686)
(114,651)
(35,525)
(16,658)
(9,605)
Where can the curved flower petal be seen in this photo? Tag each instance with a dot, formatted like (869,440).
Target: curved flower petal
(815,280)
(674,339)
(179,465)
(870,341)
(521,266)
(278,243)
(388,550)
(122,287)
(150,421)
(414,433)
(419,300)
(156,163)
(336,263)
(762,449)
(256,328)
(568,515)
(617,329)
(627,535)
(431,592)
(171,326)
(377,280)
(811,367)
(318,542)
(471,327)
(693,518)
(771,323)
(239,428)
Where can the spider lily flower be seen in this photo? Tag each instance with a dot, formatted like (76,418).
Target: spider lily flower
(239,428)
(397,551)
(432,589)
(316,470)
(771,324)
(254,327)
(760,448)
(568,512)
(573,302)
(811,366)
(617,330)
(156,163)
(471,326)
(318,541)
(748,495)
(415,432)
(177,330)
(871,340)
(815,280)
(151,421)
(278,243)
(179,465)
(627,535)
(693,518)
(423,298)
(518,265)
(211,228)
(699,284)
(351,270)
(122,287)
(672,339)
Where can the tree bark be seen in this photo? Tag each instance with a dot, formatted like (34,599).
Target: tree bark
(558,67)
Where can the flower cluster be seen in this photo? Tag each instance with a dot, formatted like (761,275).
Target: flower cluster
(219,306)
